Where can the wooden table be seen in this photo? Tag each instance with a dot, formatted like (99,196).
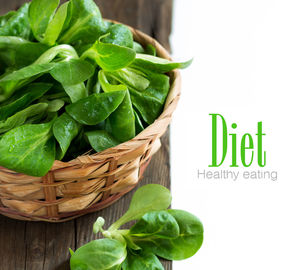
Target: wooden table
(37,246)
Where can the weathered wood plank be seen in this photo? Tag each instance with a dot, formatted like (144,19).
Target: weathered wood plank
(12,244)
(29,245)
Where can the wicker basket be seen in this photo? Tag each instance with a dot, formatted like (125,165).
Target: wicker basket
(90,182)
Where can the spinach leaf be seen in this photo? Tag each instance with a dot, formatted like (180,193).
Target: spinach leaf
(157,64)
(65,129)
(182,247)
(137,47)
(170,234)
(119,34)
(101,140)
(151,197)
(33,92)
(17,24)
(20,117)
(4,18)
(56,25)
(122,121)
(78,147)
(65,52)
(156,224)
(131,246)
(150,49)
(101,254)
(110,57)
(19,52)
(139,127)
(55,105)
(85,23)
(28,149)
(141,261)
(95,108)
(151,101)
(17,79)
(106,86)
(130,77)
(93,84)
(76,91)
(72,72)
(40,14)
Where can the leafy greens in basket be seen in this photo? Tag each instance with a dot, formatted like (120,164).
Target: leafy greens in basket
(70,81)
(167,233)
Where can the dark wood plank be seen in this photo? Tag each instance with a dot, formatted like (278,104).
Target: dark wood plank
(29,245)
(12,244)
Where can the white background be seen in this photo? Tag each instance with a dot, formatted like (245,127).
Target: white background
(247,68)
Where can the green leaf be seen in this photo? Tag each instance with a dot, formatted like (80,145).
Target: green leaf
(76,91)
(93,84)
(27,72)
(17,79)
(28,149)
(129,242)
(85,23)
(78,147)
(18,24)
(41,13)
(119,34)
(106,86)
(71,252)
(95,108)
(55,26)
(33,92)
(18,52)
(101,140)
(65,129)
(139,127)
(110,57)
(150,102)
(157,64)
(122,121)
(137,47)
(150,49)
(182,247)
(130,77)
(21,117)
(99,254)
(142,261)
(156,224)
(65,52)
(55,105)
(72,72)
(4,18)
(151,197)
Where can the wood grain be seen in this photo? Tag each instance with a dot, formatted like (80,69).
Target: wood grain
(43,246)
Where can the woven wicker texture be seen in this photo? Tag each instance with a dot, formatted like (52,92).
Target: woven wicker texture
(90,182)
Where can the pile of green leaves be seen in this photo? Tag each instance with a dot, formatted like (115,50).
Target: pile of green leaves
(158,231)
(70,81)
